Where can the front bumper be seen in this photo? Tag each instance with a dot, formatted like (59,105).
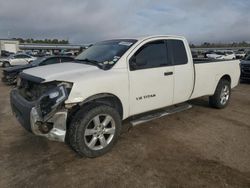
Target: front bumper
(27,115)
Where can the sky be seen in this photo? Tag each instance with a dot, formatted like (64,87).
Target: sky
(83,22)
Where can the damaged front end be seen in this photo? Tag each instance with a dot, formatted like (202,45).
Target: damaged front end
(9,78)
(39,106)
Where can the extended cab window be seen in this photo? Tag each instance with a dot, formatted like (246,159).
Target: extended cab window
(178,51)
(151,55)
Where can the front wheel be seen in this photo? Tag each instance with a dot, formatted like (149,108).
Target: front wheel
(94,130)
(6,64)
(222,95)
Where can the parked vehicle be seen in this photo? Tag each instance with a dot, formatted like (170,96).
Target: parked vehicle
(240,54)
(245,68)
(10,73)
(5,53)
(208,52)
(17,59)
(227,55)
(195,54)
(68,53)
(135,79)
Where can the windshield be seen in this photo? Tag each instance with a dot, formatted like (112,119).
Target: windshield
(105,54)
(11,56)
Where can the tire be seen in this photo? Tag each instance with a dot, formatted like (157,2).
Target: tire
(222,95)
(6,64)
(90,137)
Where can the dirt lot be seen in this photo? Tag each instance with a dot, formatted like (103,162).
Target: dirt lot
(201,147)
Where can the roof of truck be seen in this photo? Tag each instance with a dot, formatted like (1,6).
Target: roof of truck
(159,36)
(147,37)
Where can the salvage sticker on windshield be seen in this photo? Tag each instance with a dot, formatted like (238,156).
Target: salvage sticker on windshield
(125,43)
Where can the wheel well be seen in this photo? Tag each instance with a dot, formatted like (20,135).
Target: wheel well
(107,99)
(5,62)
(226,77)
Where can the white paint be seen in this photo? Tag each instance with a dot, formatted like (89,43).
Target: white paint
(127,85)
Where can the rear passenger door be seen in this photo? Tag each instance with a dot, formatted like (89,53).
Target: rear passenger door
(183,70)
(151,78)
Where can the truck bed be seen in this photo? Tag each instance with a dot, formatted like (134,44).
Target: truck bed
(207,60)
(208,73)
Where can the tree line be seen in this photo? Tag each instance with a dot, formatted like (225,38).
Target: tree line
(42,41)
(222,45)
(203,45)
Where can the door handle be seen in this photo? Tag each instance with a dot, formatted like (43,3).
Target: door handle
(168,73)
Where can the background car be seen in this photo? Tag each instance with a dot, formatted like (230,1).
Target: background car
(5,53)
(240,54)
(17,59)
(245,68)
(227,55)
(10,73)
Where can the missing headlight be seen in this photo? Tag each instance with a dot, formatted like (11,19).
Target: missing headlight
(49,102)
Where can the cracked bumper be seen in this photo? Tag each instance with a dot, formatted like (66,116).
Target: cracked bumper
(28,117)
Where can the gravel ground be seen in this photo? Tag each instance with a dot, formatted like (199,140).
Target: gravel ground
(201,147)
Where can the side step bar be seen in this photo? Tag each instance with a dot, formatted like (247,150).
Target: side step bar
(160,113)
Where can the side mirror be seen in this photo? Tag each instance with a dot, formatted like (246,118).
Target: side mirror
(132,63)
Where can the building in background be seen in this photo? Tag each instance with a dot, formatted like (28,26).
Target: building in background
(51,48)
(9,45)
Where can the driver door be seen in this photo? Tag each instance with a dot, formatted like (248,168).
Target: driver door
(151,78)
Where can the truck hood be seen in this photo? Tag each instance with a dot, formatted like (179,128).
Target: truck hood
(62,72)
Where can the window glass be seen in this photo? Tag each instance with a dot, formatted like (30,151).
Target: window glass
(220,53)
(37,61)
(21,56)
(178,51)
(50,61)
(151,55)
(106,53)
(66,59)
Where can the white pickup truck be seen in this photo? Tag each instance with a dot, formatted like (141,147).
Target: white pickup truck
(84,102)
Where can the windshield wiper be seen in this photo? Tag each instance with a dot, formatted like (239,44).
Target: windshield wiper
(91,62)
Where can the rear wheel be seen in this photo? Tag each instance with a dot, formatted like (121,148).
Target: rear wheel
(94,130)
(6,64)
(222,95)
